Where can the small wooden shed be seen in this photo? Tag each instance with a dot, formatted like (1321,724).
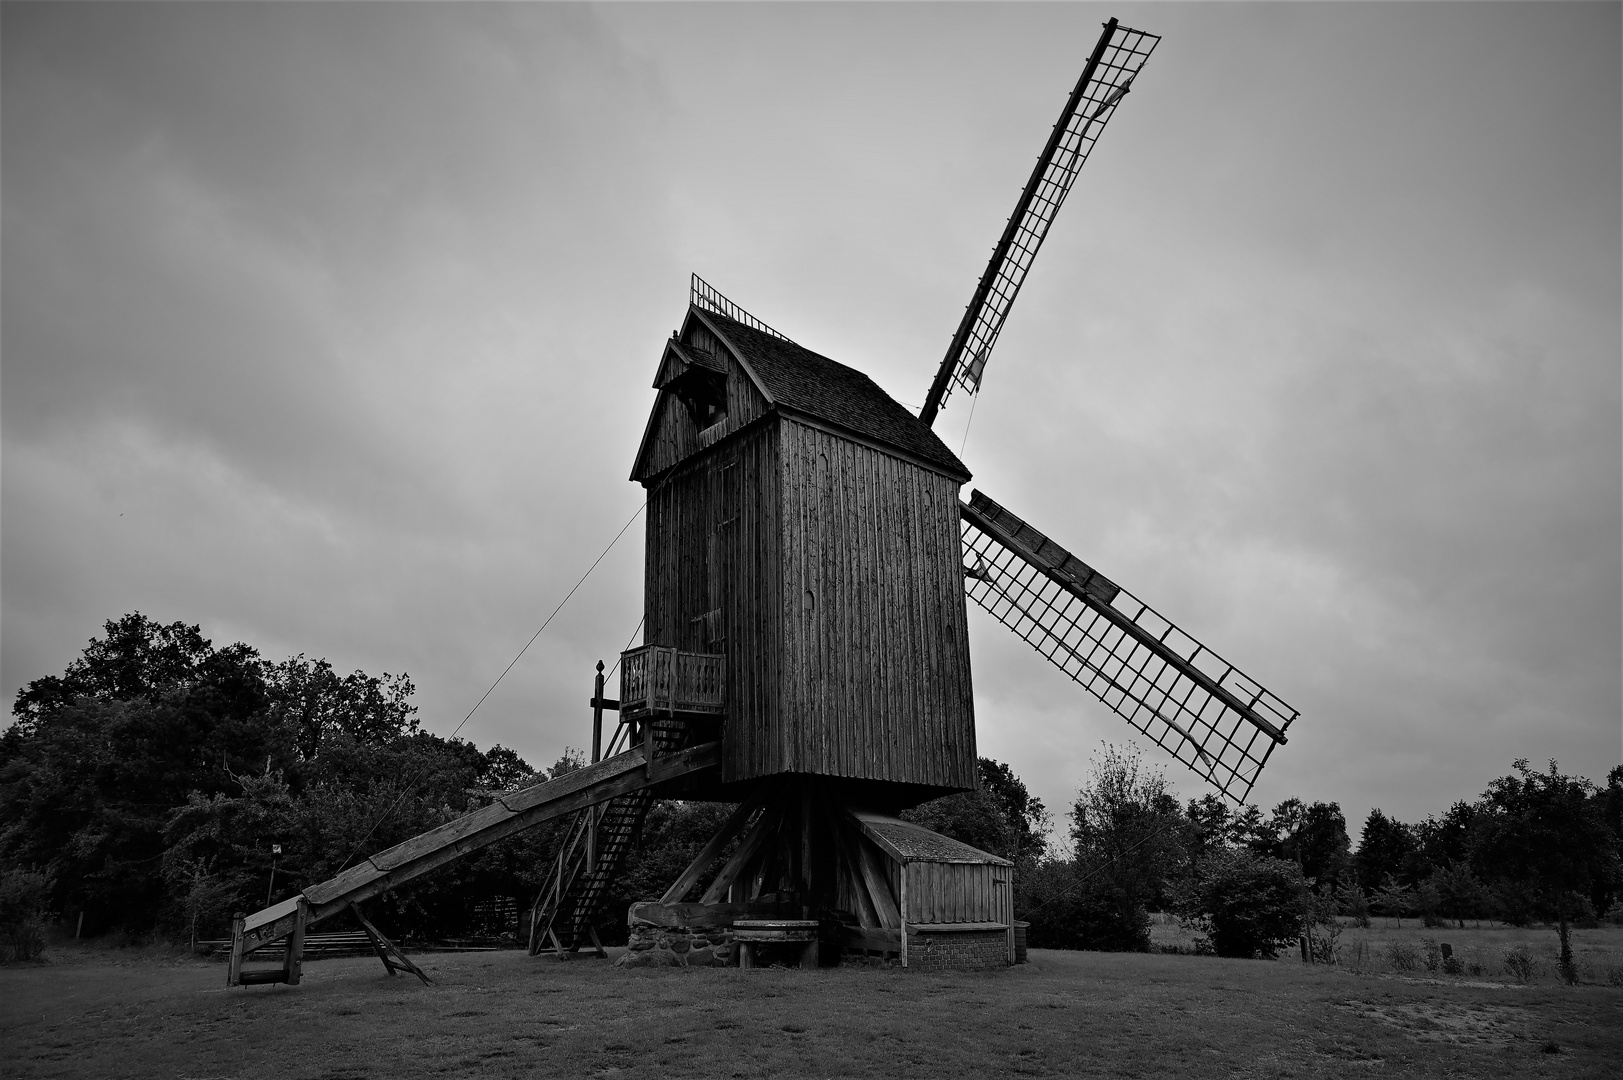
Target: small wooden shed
(955,902)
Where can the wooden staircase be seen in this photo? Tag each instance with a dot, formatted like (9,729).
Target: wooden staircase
(591,855)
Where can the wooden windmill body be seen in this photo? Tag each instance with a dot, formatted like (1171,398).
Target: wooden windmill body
(804,526)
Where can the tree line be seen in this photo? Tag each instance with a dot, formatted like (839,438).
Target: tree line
(1537,845)
(161,784)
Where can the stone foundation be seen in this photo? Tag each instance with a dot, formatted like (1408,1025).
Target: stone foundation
(957,950)
(677,946)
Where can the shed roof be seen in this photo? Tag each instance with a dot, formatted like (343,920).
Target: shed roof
(908,842)
(796,378)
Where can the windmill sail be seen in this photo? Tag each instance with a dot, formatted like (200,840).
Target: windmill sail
(1191,702)
(1106,79)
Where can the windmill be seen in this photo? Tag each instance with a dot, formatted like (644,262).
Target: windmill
(806,650)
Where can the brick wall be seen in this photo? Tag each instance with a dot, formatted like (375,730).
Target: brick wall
(957,950)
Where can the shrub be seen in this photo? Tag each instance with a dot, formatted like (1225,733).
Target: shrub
(23,896)
(1402,956)
(1453,966)
(1247,905)
(1358,956)
(1615,976)
(1519,962)
(1322,928)
(1068,909)
(1434,954)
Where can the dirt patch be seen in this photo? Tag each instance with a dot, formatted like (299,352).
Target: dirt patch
(1475,1024)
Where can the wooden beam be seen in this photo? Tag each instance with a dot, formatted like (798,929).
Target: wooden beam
(877,882)
(387,950)
(293,961)
(866,913)
(233,970)
(712,850)
(764,826)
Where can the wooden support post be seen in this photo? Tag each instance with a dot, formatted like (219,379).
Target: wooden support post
(293,961)
(901,876)
(233,971)
(597,946)
(393,959)
(808,903)
(597,716)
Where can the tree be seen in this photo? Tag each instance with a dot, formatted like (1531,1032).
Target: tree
(148,780)
(1248,905)
(1024,812)
(1000,816)
(1127,829)
(1314,837)
(1383,850)
(1547,833)
(1392,897)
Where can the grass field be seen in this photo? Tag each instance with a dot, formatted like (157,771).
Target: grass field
(96,1013)
(1481,947)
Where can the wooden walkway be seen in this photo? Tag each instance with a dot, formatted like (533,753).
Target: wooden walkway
(509,814)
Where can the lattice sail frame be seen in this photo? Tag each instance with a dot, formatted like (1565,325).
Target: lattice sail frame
(1190,701)
(1115,62)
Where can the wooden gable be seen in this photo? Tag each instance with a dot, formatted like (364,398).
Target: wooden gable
(675,432)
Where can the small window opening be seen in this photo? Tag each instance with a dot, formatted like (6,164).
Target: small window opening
(704,393)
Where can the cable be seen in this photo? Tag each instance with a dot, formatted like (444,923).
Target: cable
(973,398)
(407,790)
(629,640)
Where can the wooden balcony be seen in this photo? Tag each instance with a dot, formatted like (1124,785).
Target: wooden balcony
(659,680)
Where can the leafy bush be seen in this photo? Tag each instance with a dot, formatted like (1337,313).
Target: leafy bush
(1519,962)
(1246,905)
(1434,954)
(1068,909)
(1402,955)
(23,896)
(1322,928)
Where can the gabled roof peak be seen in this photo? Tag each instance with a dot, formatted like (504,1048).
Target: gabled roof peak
(794,378)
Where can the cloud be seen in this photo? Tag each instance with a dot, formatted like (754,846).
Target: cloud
(350,312)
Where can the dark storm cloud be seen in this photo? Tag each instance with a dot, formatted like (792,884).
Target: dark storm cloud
(331,327)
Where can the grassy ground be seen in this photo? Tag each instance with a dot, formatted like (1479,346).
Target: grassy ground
(1481,947)
(1064,1014)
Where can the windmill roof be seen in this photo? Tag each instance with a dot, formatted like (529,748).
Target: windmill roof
(796,378)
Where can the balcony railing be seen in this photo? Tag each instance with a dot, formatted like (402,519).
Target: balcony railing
(655,679)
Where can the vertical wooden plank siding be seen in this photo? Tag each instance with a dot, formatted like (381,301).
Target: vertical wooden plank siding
(712,544)
(876,648)
(939,892)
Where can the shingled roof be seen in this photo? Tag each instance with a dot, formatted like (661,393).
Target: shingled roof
(914,843)
(798,379)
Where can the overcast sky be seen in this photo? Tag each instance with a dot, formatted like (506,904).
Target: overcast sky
(331,328)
